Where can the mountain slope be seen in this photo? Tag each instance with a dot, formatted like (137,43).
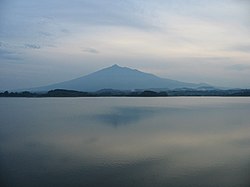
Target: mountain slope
(119,78)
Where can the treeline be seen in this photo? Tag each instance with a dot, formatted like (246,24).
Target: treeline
(224,93)
(19,94)
(118,93)
(73,93)
(52,93)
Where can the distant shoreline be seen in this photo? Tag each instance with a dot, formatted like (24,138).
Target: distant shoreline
(119,93)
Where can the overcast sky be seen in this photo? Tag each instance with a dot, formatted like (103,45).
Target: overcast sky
(49,41)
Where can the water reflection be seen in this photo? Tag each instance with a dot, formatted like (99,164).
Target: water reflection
(127,115)
(159,142)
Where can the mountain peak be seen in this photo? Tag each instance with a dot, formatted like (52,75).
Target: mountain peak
(122,68)
(116,66)
(119,78)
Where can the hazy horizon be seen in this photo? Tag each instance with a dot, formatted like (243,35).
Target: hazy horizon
(45,42)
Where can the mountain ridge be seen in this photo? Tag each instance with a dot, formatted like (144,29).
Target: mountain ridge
(119,78)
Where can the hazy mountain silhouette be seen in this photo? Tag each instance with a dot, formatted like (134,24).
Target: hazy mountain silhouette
(119,78)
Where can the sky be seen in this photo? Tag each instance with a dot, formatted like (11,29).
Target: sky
(44,42)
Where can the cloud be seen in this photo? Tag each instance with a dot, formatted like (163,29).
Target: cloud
(66,31)
(45,34)
(32,46)
(239,67)
(241,48)
(90,50)
(9,55)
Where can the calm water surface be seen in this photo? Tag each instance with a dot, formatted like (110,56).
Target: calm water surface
(125,142)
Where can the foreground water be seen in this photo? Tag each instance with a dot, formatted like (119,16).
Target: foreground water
(130,142)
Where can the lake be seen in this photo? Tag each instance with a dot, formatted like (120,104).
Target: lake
(125,142)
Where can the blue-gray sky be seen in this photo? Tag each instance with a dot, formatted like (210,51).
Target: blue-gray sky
(43,42)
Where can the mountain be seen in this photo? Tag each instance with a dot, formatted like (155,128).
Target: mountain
(119,78)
